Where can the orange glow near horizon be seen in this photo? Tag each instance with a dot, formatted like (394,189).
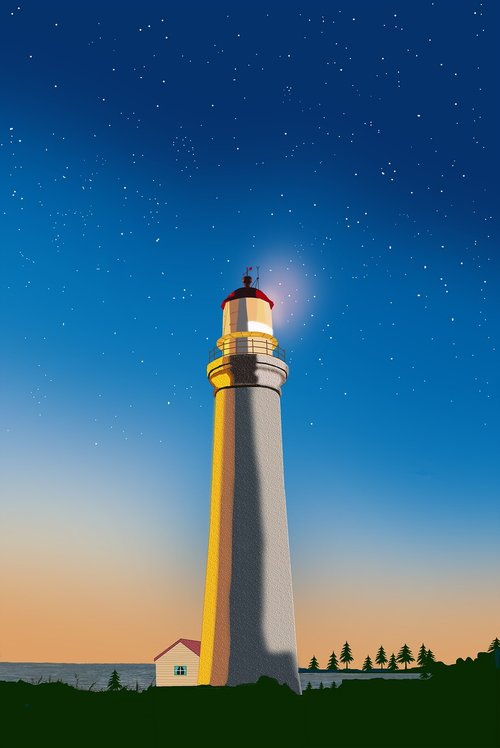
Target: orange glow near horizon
(92,572)
(80,613)
(75,617)
(450,629)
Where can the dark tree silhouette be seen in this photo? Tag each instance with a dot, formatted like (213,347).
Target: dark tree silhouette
(429,659)
(405,656)
(346,655)
(392,666)
(313,665)
(309,687)
(321,686)
(422,656)
(333,663)
(367,664)
(114,683)
(495,648)
(381,658)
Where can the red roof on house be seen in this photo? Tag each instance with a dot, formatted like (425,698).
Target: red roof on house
(191,644)
(243,292)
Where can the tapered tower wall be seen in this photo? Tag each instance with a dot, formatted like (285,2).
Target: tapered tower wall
(248,625)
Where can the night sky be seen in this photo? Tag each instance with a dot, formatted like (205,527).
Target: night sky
(149,152)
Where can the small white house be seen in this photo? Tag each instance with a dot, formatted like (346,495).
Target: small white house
(178,665)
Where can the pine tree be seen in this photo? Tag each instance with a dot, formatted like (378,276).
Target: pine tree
(321,686)
(422,656)
(346,655)
(392,666)
(313,665)
(495,649)
(309,687)
(114,682)
(405,656)
(333,663)
(430,659)
(381,658)
(367,664)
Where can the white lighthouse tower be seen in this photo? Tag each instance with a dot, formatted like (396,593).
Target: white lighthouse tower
(248,620)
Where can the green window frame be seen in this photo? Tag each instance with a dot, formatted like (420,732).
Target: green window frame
(180,670)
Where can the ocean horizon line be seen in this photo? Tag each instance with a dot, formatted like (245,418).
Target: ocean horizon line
(66,662)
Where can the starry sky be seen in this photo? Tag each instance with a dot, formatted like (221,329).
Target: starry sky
(148,155)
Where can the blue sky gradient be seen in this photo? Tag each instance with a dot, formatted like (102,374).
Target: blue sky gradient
(148,156)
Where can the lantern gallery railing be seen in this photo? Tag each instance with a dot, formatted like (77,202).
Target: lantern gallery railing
(247,345)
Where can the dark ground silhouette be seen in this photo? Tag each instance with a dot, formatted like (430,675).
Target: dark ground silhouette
(458,706)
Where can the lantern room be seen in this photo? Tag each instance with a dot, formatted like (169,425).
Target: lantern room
(247,323)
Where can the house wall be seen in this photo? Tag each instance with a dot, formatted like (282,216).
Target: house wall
(179,655)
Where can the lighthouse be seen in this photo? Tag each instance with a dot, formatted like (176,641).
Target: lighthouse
(248,625)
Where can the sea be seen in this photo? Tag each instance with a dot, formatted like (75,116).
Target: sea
(95,677)
(79,675)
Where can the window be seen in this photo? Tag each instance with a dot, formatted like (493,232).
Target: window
(180,669)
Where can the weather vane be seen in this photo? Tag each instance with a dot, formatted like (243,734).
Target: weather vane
(247,279)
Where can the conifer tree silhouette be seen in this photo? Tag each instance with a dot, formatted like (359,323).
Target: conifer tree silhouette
(114,683)
(321,686)
(392,666)
(367,664)
(309,687)
(405,656)
(422,656)
(429,659)
(333,663)
(381,658)
(495,648)
(313,665)
(346,655)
